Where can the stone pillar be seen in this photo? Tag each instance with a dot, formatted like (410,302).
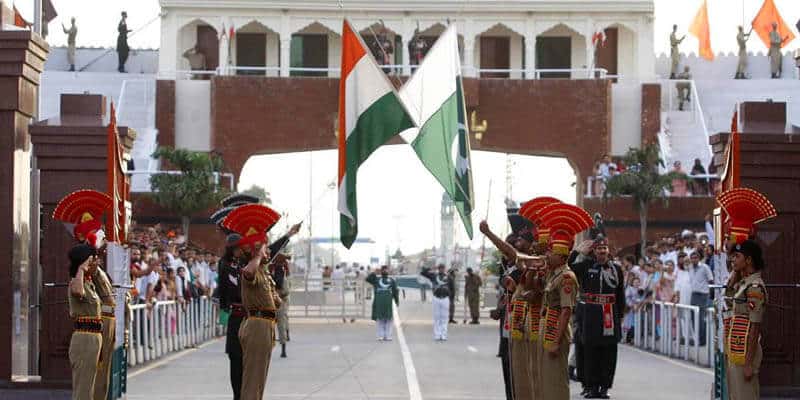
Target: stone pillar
(224,48)
(71,153)
(769,164)
(286,54)
(530,57)
(470,67)
(406,40)
(22,57)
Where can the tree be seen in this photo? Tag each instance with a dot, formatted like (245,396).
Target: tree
(196,188)
(260,192)
(643,182)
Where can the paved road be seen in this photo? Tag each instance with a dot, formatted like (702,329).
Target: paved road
(332,360)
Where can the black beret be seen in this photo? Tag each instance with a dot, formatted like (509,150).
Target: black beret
(79,254)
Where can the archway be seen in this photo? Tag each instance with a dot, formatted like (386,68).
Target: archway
(400,211)
(202,35)
(561,47)
(256,46)
(500,48)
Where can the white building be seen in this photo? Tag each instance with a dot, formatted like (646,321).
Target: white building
(280,38)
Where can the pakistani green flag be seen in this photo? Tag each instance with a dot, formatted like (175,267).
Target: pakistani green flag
(434,96)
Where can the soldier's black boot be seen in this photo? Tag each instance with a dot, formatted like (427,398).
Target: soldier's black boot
(603,394)
(283,350)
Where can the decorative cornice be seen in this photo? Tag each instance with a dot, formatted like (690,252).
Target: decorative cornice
(423,6)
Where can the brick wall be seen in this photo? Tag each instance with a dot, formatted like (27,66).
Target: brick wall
(257,115)
(651,112)
(165,112)
(622,220)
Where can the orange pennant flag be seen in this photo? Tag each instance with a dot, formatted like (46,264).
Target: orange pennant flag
(763,21)
(702,31)
(19,21)
(731,177)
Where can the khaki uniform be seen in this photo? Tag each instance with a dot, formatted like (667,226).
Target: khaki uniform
(283,312)
(84,346)
(534,340)
(748,308)
(560,291)
(106,293)
(520,347)
(257,333)
(472,292)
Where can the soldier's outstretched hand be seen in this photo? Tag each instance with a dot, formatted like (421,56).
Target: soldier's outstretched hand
(484,227)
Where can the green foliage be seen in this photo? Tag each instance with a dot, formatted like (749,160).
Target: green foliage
(642,180)
(259,192)
(196,189)
(492,262)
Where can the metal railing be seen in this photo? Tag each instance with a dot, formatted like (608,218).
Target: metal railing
(669,88)
(397,69)
(170,326)
(674,330)
(217,175)
(593,191)
(329,298)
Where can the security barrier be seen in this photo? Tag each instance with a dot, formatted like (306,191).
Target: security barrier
(170,326)
(673,330)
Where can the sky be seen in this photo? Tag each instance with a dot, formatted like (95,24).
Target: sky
(97,21)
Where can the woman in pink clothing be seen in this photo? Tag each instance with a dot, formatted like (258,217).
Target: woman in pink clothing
(679,185)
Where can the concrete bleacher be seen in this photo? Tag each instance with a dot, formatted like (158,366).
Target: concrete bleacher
(718,94)
(102,59)
(133,96)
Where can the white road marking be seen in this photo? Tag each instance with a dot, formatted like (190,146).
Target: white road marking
(335,349)
(414,392)
(170,358)
(472,349)
(671,361)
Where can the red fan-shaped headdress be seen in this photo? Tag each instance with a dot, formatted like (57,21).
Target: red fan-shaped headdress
(745,207)
(252,222)
(81,211)
(564,221)
(531,211)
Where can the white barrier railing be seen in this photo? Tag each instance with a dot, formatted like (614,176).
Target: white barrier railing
(674,330)
(592,190)
(170,326)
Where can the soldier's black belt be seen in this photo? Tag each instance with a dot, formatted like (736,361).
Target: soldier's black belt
(591,298)
(266,314)
(88,324)
(237,310)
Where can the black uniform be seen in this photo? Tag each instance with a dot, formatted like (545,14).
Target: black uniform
(598,316)
(230,300)
(122,45)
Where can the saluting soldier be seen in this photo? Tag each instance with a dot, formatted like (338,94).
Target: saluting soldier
(522,378)
(560,297)
(443,285)
(385,292)
(744,208)
(83,210)
(84,309)
(600,312)
(260,298)
(230,294)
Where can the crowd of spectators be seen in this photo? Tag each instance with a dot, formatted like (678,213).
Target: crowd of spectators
(675,269)
(697,182)
(164,266)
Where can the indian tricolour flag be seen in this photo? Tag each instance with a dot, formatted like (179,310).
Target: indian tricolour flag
(435,98)
(370,113)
